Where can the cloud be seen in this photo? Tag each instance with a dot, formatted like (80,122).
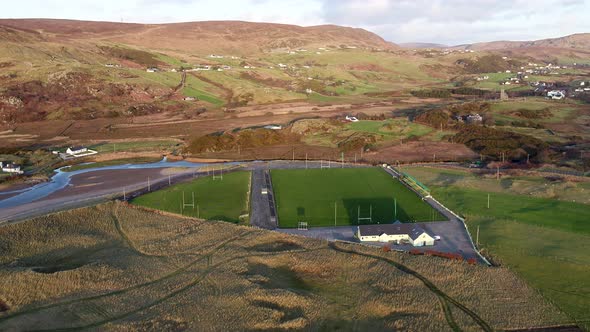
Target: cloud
(443,21)
(459,21)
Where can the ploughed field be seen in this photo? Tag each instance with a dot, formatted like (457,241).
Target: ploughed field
(338,196)
(215,198)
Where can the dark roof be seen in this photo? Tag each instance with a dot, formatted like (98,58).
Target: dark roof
(11,165)
(410,229)
(76,148)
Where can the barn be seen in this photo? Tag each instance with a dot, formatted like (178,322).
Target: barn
(412,233)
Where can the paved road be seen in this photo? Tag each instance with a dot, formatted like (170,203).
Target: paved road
(259,206)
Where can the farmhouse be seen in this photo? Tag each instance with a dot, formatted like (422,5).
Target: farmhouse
(556,94)
(76,152)
(411,233)
(10,168)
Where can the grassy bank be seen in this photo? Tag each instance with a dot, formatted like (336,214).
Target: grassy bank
(543,240)
(114,162)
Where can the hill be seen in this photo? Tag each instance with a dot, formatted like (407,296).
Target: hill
(421,45)
(235,37)
(579,41)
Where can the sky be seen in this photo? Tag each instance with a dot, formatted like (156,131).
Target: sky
(449,22)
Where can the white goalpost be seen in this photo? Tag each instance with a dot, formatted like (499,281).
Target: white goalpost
(218,177)
(369,218)
(185,204)
(302,226)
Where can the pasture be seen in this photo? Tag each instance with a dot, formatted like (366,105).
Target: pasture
(544,240)
(214,199)
(333,197)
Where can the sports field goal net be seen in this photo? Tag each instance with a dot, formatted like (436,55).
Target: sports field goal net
(302,226)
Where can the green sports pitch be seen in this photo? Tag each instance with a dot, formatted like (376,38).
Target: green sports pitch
(329,197)
(215,199)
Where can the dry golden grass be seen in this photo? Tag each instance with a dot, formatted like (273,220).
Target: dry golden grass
(125,268)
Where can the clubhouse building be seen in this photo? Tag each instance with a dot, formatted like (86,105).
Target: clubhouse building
(399,233)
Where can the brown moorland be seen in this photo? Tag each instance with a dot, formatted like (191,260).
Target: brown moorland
(115,267)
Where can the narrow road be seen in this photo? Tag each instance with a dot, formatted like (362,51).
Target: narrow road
(260,209)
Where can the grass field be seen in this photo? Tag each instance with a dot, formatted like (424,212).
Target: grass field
(544,240)
(225,199)
(114,162)
(312,195)
(135,146)
(115,267)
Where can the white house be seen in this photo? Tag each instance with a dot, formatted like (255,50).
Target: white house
(412,233)
(474,118)
(556,94)
(76,150)
(351,119)
(10,168)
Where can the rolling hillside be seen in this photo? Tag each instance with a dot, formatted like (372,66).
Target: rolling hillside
(241,38)
(579,41)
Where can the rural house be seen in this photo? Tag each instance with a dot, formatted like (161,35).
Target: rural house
(9,167)
(412,233)
(76,150)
